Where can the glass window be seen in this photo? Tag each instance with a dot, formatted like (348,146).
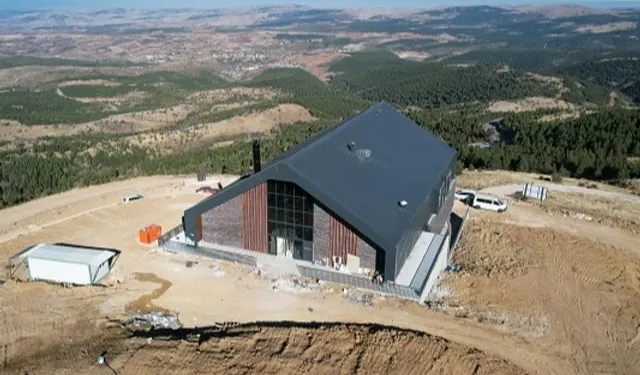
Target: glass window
(271,200)
(279,187)
(280,201)
(288,217)
(308,204)
(288,202)
(299,232)
(299,218)
(280,216)
(271,213)
(299,203)
(307,234)
(270,227)
(288,188)
(271,186)
(308,220)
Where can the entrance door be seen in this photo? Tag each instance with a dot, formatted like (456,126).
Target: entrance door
(285,247)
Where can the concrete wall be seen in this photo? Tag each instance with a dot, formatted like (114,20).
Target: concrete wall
(223,224)
(442,218)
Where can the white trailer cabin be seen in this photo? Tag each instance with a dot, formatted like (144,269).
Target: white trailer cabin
(65,263)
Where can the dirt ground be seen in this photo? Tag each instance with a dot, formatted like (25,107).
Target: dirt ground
(257,122)
(571,293)
(312,349)
(530,104)
(607,28)
(538,293)
(476,179)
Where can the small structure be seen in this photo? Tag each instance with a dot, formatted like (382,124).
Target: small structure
(201,175)
(535,192)
(150,233)
(64,263)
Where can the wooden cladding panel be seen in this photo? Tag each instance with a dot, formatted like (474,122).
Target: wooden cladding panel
(199,228)
(254,219)
(342,240)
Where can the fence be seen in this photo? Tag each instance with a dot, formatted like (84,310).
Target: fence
(168,235)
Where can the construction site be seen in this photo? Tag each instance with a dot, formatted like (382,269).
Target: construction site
(329,259)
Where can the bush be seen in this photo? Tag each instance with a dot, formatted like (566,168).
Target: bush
(592,186)
(556,178)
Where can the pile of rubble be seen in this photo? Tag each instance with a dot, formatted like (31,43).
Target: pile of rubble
(216,271)
(154,320)
(361,298)
(292,284)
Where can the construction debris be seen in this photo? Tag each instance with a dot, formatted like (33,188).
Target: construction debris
(361,298)
(154,320)
(294,285)
(216,271)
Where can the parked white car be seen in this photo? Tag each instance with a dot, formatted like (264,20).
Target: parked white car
(464,194)
(133,198)
(489,203)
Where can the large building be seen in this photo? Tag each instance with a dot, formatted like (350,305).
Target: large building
(362,192)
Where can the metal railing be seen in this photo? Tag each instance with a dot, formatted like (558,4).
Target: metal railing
(169,234)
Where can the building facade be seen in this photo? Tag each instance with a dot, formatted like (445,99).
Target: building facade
(357,195)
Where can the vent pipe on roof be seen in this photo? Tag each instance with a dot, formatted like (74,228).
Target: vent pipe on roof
(257,164)
(351,146)
(402,204)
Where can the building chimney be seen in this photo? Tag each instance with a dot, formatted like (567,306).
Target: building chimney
(257,164)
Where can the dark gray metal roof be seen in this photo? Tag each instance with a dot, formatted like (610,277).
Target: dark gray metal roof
(393,160)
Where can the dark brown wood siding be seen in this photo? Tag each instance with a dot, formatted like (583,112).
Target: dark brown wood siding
(199,228)
(254,219)
(343,240)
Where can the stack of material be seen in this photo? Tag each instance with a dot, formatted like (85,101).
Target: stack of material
(154,320)
(150,233)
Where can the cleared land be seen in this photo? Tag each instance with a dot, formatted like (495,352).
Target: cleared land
(312,349)
(530,104)
(526,301)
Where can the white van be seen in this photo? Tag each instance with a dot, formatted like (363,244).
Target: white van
(486,202)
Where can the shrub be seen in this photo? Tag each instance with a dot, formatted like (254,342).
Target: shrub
(556,178)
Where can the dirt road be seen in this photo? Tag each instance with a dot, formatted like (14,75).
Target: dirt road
(505,190)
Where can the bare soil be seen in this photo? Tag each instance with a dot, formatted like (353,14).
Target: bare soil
(296,348)
(530,104)
(574,294)
(317,63)
(89,82)
(483,179)
(531,299)
(258,122)
(607,28)
(607,211)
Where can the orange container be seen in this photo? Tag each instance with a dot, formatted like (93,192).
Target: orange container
(150,233)
(144,236)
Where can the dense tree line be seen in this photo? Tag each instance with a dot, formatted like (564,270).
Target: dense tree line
(596,146)
(619,73)
(430,85)
(308,91)
(96,91)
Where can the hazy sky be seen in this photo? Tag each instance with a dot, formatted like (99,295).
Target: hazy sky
(103,4)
